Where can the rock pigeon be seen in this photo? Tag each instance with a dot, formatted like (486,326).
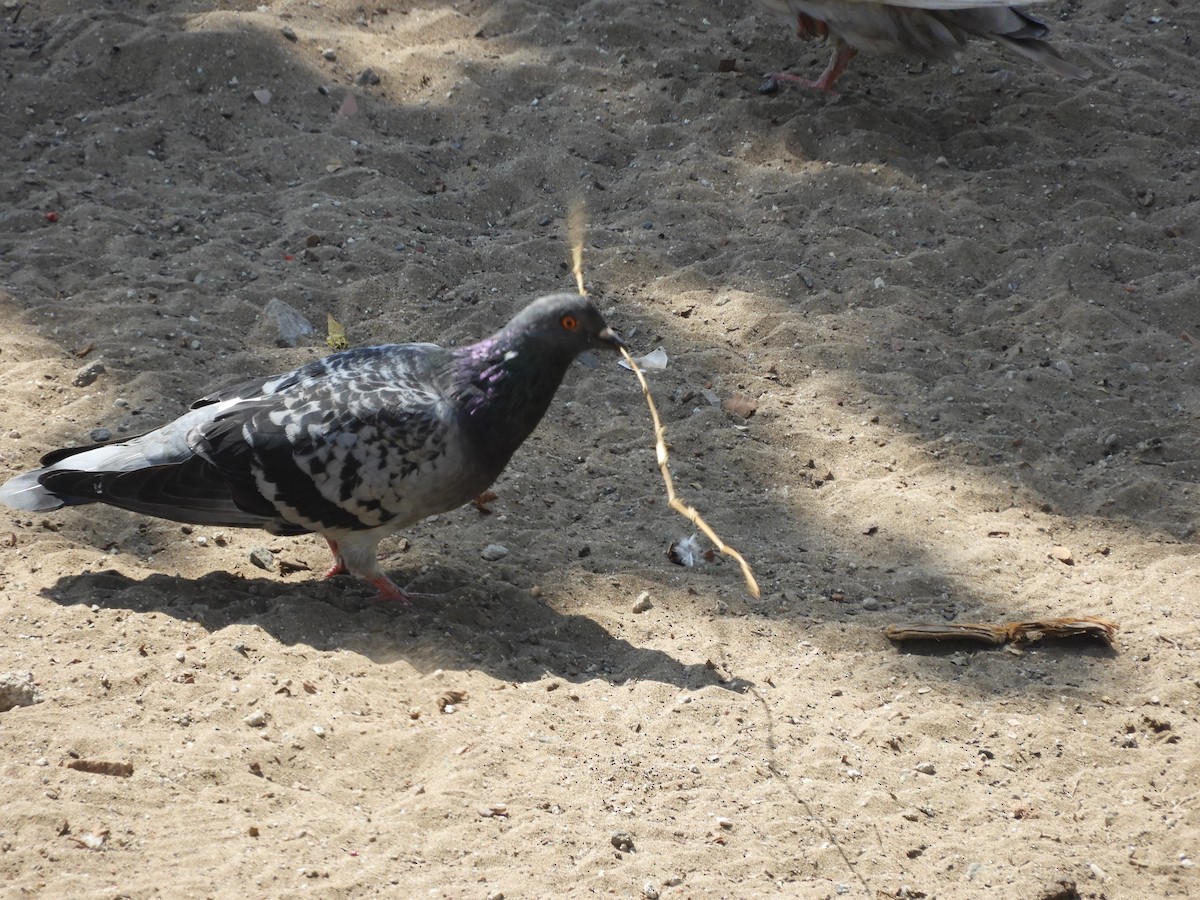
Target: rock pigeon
(354,446)
(931,29)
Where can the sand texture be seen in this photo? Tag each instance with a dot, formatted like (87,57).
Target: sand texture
(932,358)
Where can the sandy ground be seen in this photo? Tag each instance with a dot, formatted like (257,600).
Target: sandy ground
(963,303)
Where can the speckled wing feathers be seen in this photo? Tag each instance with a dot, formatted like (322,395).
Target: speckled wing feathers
(347,442)
(341,442)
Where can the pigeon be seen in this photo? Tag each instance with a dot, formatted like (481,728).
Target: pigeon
(931,29)
(354,447)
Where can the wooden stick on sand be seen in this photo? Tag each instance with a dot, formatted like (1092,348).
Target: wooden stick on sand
(575,228)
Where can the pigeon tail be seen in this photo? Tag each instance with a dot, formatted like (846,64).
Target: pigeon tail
(26,492)
(1043,53)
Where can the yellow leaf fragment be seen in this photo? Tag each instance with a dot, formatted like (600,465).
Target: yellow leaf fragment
(337,334)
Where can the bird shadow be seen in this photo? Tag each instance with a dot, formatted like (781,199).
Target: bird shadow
(500,630)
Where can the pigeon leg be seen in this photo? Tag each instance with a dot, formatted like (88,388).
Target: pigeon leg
(354,553)
(389,592)
(339,564)
(842,54)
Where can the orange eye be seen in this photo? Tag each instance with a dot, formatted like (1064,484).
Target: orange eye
(569,322)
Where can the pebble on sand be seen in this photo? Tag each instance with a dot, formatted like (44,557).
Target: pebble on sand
(290,324)
(256,719)
(18,689)
(263,558)
(85,375)
(622,840)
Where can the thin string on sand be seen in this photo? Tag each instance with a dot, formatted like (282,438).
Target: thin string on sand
(575,226)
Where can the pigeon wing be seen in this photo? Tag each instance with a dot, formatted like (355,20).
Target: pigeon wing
(349,442)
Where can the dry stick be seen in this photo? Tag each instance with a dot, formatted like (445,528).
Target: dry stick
(688,512)
(576,224)
(575,228)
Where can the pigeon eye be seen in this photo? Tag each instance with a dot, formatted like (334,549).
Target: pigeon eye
(569,322)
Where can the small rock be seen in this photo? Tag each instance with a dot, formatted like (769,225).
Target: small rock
(493,552)
(263,558)
(643,602)
(650,891)
(925,768)
(1063,555)
(741,406)
(870,603)
(288,34)
(724,822)
(318,731)
(622,840)
(85,375)
(263,96)
(92,840)
(367,77)
(18,689)
(329,53)
(879,284)
(100,435)
(256,719)
(290,325)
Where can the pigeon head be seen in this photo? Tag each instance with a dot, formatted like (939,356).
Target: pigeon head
(504,383)
(561,326)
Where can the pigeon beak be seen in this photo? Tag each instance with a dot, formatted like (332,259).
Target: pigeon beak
(609,337)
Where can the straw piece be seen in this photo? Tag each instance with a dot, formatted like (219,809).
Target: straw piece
(688,512)
(576,221)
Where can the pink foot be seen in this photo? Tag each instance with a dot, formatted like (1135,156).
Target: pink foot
(842,54)
(389,592)
(823,84)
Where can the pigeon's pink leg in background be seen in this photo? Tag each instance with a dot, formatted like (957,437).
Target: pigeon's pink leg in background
(842,55)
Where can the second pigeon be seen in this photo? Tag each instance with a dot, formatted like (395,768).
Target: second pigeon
(929,29)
